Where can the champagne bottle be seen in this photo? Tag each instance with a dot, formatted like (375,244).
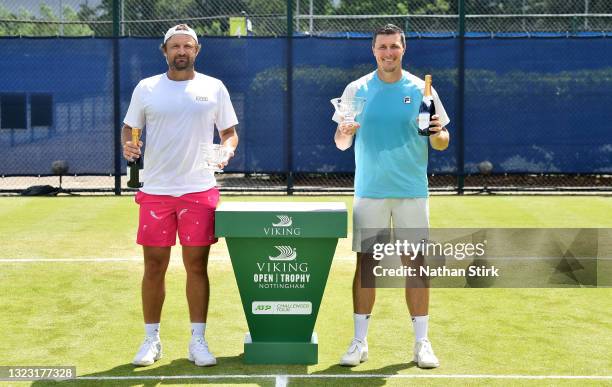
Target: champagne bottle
(136,164)
(427,108)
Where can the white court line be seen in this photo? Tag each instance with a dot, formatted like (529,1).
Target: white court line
(281,381)
(69,260)
(211,258)
(215,258)
(285,378)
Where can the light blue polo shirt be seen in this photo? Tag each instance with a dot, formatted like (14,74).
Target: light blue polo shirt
(390,156)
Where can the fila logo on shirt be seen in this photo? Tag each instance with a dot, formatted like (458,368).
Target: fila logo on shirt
(407,100)
(201,98)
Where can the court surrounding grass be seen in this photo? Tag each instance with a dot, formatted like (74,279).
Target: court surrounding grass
(87,314)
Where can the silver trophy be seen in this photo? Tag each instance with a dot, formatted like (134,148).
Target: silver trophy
(348,108)
(211,155)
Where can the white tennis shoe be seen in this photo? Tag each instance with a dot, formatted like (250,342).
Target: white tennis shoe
(199,353)
(150,351)
(424,355)
(357,353)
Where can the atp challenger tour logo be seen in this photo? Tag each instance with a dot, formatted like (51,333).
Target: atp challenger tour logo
(281,307)
(283,227)
(282,270)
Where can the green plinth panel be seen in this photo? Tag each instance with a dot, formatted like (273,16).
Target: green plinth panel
(281,352)
(281,254)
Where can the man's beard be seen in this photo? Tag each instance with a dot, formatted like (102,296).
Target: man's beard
(186,65)
(389,69)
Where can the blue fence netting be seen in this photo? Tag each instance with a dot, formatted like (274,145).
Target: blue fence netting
(532,104)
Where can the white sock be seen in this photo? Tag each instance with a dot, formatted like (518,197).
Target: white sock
(419,323)
(152,330)
(198,329)
(361,326)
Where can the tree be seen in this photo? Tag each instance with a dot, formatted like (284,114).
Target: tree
(6,27)
(211,17)
(75,29)
(392,7)
(18,27)
(26,24)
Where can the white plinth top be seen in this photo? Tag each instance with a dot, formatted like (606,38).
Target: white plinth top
(282,206)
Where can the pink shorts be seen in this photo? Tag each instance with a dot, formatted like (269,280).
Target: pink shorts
(192,215)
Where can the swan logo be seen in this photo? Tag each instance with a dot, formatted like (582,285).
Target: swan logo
(285,253)
(281,270)
(283,227)
(284,221)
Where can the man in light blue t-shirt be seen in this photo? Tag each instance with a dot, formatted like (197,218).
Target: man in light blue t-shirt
(390,176)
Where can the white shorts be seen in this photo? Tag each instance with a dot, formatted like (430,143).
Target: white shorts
(403,213)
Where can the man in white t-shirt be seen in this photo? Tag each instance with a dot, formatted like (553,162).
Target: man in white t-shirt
(178,110)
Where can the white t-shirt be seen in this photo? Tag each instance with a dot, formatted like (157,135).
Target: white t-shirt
(177,116)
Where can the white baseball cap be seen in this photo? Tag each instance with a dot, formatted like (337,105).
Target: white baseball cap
(180,29)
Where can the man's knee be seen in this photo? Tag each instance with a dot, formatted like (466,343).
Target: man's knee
(195,265)
(420,279)
(365,261)
(364,269)
(155,269)
(196,268)
(195,260)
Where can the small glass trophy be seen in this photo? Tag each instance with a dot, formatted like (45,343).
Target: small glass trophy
(211,155)
(348,108)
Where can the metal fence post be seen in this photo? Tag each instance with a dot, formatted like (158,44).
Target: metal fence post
(116,97)
(289,100)
(460,95)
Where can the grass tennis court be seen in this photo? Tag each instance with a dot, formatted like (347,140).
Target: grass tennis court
(83,307)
